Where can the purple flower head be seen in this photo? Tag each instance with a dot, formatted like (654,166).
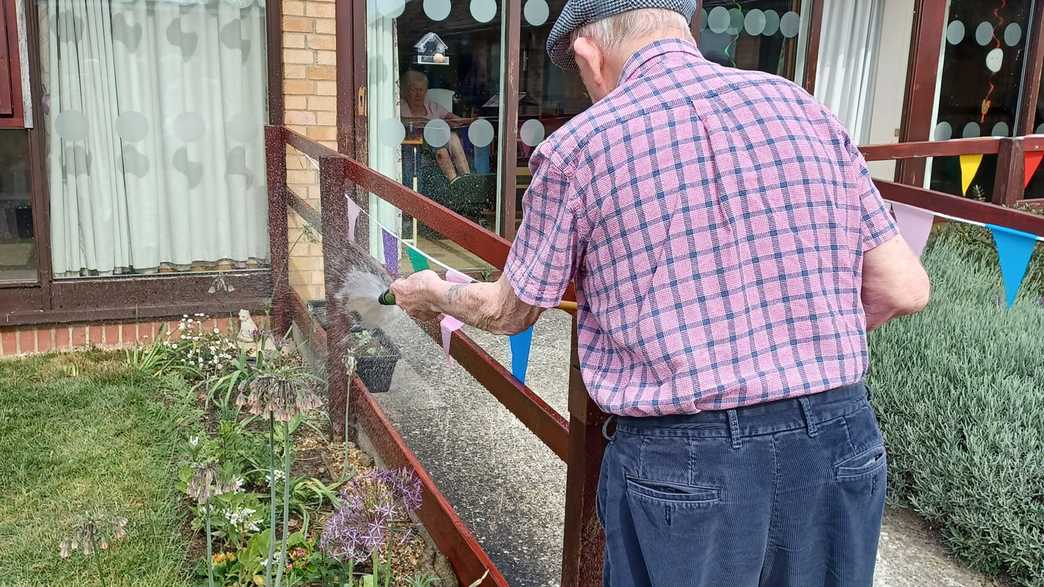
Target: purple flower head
(370,504)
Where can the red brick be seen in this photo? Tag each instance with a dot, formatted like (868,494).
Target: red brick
(79,336)
(62,338)
(27,341)
(96,335)
(9,342)
(44,339)
(112,334)
(129,334)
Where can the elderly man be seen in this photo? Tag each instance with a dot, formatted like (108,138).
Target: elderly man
(730,253)
(416,108)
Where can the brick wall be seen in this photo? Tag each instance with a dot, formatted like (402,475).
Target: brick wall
(31,339)
(310,95)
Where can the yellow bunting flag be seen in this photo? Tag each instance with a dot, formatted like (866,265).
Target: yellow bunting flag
(969,167)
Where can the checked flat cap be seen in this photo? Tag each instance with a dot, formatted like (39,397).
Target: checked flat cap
(578,13)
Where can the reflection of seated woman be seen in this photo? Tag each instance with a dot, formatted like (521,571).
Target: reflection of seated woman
(415,108)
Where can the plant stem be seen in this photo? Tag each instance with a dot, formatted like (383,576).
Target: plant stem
(210,551)
(286,503)
(96,555)
(271,497)
(350,369)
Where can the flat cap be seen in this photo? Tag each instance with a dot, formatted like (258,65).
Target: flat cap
(579,13)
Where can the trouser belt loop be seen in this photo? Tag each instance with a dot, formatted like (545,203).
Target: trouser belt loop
(734,431)
(605,428)
(810,421)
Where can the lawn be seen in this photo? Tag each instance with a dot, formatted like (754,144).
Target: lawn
(84,436)
(959,390)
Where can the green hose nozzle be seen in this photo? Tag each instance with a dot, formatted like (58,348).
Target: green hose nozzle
(386,299)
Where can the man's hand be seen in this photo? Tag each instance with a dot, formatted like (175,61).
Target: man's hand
(416,294)
(894,283)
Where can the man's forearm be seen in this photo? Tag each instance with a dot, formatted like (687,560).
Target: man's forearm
(483,305)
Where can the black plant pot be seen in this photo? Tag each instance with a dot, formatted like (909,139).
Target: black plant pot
(24,222)
(376,370)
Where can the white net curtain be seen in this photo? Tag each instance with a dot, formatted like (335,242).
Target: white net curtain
(154,111)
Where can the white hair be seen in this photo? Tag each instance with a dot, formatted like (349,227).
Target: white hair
(611,32)
(413,77)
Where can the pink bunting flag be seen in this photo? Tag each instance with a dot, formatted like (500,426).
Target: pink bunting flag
(455,276)
(449,324)
(353,216)
(915,225)
(1033,159)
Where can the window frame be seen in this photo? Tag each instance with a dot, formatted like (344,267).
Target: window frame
(50,300)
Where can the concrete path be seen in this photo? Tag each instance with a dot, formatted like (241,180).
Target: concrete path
(510,489)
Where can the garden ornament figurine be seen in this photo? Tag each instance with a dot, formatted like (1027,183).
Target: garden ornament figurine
(247,327)
(729,253)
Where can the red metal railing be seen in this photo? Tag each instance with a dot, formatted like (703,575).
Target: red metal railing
(579,441)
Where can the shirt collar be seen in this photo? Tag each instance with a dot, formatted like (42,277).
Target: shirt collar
(654,50)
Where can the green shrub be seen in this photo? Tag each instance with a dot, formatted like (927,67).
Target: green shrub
(959,390)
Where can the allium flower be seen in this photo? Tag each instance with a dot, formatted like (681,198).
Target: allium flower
(285,394)
(205,484)
(66,548)
(370,504)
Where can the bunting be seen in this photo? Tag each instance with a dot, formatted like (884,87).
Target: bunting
(1033,159)
(417,259)
(521,343)
(914,224)
(353,216)
(1014,249)
(969,167)
(391,251)
(449,325)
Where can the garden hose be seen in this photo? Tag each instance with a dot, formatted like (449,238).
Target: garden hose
(388,299)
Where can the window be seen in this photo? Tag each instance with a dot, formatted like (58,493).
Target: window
(153,113)
(17,247)
(766,35)
(980,83)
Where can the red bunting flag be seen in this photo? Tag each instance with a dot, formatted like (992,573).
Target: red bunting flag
(1033,159)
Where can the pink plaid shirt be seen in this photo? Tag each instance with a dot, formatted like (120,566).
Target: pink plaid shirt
(714,221)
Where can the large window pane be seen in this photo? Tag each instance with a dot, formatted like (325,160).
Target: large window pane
(766,35)
(153,111)
(980,83)
(434,106)
(17,248)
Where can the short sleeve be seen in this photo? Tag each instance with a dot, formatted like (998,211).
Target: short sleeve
(877,225)
(544,256)
(437,111)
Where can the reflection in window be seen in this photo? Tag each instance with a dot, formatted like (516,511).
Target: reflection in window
(434,107)
(17,249)
(980,84)
(153,113)
(765,35)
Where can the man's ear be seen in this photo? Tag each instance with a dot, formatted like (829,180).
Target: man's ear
(590,61)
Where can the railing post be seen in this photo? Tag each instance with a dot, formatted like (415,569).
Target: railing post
(1009,186)
(334,212)
(584,541)
(275,157)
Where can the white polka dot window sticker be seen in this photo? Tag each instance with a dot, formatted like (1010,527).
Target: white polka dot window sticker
(702,18)
(971,130)
(735,21)
(71,125)
(955,32)
(984,33)
(437,10)
(244,127)
(437,132)
(536,12)
(189,126)
(790,24)
(1013,34)
(392,132)
(391,8)
(480,133)
(132,126)
(771,23)
(1040,129)
(754,23)
(718,20)
(943,131)
(1000,130)
(483,10)
(532,132)
(995,59)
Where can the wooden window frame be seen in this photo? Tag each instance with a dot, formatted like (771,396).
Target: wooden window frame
(50,300)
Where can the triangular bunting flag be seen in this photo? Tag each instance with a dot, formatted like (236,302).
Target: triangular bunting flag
(457,277)
(448,325)
(353,216)
(391,252)
(915,225)
(1014,248)
(969,167)
(520,345)
(417,259)
(1033,159)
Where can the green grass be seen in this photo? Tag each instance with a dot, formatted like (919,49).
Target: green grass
(959,390)
(84,433)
